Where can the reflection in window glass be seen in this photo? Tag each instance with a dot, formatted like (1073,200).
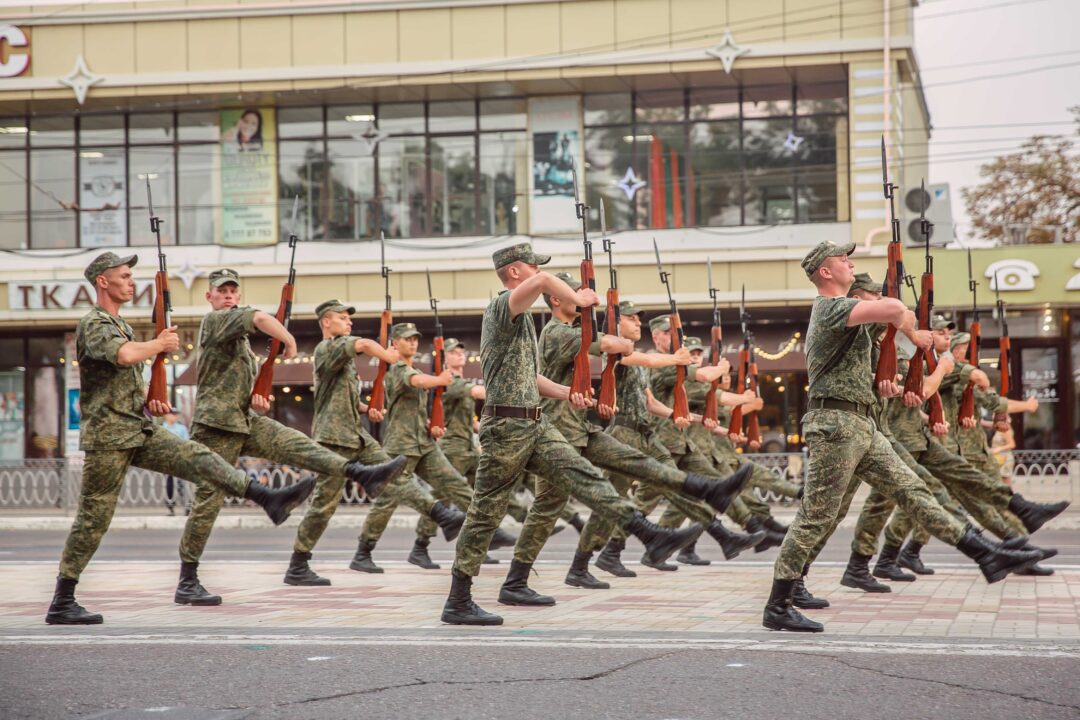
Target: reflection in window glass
(824,97)
(768,193)
(102,197)
(452,116)
(402,183)
(156,165)
(609,153)
(101,129)
(200,192)
(348,120)
(816,163)
(713,175)
(304,172)
(52,198)
(660,162)
(300,122)
(660,106)
(150,128)
(607,109)
(504,178)
(714,104)
(52,130)
(13,132)
(13,200)
(352,180)
(12,401)
(766,101)
(196,126)
(453,185)
(401,118)
(507,114)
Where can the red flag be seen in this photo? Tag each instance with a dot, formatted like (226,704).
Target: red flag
(690,220)
(656,176)
(676,192)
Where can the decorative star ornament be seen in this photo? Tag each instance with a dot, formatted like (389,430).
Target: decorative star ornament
(372,136)
(793,142)
(188,273)
(727,51)
(630,183)
(80,79)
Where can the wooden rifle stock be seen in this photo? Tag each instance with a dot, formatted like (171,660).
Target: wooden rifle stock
(436,416)
(967,400)
(378,390)
(735,427)
(753,430)
(264,381)
(159,387)
(886,367)
(582,380)
(711,410)
(681,403)
(607,376)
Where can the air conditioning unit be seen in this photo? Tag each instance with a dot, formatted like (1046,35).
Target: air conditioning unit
(936,199)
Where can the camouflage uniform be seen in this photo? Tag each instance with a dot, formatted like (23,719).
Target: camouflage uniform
(225,423)
(512,446)
(846,447)
(116,434)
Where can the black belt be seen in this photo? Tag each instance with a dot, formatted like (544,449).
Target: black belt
(641,428)
(834,404)
(513,411)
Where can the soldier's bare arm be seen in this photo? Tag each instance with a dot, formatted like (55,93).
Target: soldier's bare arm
(269,325)
(657,360)
(427,382)
(524,295)
(367,346)
(134,353)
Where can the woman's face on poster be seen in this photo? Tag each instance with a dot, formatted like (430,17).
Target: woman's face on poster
(248,126)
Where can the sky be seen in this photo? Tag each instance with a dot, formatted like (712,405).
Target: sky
(998,37)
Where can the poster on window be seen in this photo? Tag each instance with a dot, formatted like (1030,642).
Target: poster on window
(249,179)
(102,215)
(12,415)
(72,408)
(556,150)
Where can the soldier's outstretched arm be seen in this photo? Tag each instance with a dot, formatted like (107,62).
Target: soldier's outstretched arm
(893,312)
(134,353)
(655,361)
(269,325)
(367,346)
(550,389)
(544,283)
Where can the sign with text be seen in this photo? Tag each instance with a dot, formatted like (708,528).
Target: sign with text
(14,51)
(68,295)
(249,214)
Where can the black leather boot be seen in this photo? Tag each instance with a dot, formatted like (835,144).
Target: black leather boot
(779,613)
(501,539)
(1023,542)
(278,504)
(579,575)
(803,598)
(775,525)
(515,589)
(362,559)
(688,556)
(1035,515)
(460,608)
(772,539)
(449,518)
(857,575)
(609,559)
(1037,571)
(189,591)
(995,561)
(718,493)
(577,522)
(909,558)
(63,610)
(886,567)
(300,573)
(733,543)
(373,478)
(419,557)
(660,543)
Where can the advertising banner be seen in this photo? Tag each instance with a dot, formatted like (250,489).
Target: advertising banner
(249,182)
(102,215)
(555,125)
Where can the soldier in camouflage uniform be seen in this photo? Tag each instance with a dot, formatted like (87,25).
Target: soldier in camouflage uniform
(117,433)
(227,420)
(337,426)
(845,444)
(559,343)
(515,436)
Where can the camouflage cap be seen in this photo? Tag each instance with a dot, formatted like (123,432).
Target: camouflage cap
(569,279)
(820,252)
(960,338)
(863,281)
(452,344)
(522,252)
(627,307)
(940,322)
(660,322)
(404,330)
(332,306)
(107,261)
(224,276)
(693,343)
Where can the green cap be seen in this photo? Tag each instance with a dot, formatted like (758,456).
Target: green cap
(627,307)
(821,252)
(959,338)
(452,343)
(940,322)
(569,279)
(404,330)
(332,306)
(107,261)
(863,281)
(693,343)
(223,276)
(660,322)
(523,252)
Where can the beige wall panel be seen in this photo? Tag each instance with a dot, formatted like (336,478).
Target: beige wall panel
(478,32)
(487,77)
(424,35)
(97,92)
(195,88)
(318,39)
(318,84)
(358,288)
(475,284)
(161,47)
(692,17)
(266,42)
(862,18)
(807,20)
(54,49)
(266,86)
(588,25)
(756,21)
(158,90)
(643,69)
(315,289)
(532,30)
(371,37)
(61,94)
(588,72)
(213,44)
(640,23)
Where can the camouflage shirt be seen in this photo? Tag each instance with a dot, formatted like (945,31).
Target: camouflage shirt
(405,431)
(844,376)
(701,436)
(906,423)
(662,382)
(112,394)
(972,441)
(508,355)
(459,409)
(951,392)
(226,370)
(559,344)
(631,382)
(337,393)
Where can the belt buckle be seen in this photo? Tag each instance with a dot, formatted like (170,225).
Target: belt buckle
(537,412)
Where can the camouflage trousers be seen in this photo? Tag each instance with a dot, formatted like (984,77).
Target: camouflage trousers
(268,439)
(844,449)
(466,464)
(103,477)
(512,447)
(624,464)
(447,484)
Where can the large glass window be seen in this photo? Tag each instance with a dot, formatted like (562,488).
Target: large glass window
(153,165)
(197,168)
(352,180)
(453,185)
(52,198)
(13,200)
(504,183)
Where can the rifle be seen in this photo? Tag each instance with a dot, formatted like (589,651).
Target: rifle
(378,391)
(894,276)
(582,380)
(1004,347)
(967,400)
(436,418)
(680,403)
(264,381)
(611,319)
(745,360)
(711,410)
(162,307)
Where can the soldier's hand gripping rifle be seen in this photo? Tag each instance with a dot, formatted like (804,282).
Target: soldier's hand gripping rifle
(264,381)
(378,390)
(159,390)
(608,399)
(436,417)
(716,346)
(680,403)
(894,276)
(582,380)
(1004,348)
(967,400)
